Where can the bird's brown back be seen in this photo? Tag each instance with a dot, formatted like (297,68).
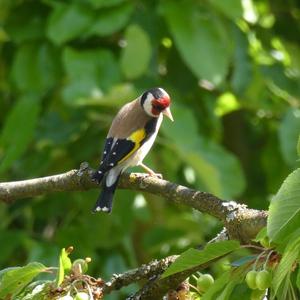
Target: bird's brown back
(130,118)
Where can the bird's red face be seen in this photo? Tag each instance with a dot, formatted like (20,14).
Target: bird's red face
(156,101)
(158,105)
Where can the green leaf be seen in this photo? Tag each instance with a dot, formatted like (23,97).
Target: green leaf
(284,211)
(298,278)
(192,257)
(18,130)
(298,146)
(37,290)
(90,74)
(68,21)
(230,8)
(242,74)
(218,170)
(104,3)
(288,259)
(261,235)
(224,285)
(226,293)
(13,281)
(111,20)
(64,268)
(288,134)
(136,55)
(200,38)
(33,19)
(35,67)
(218,285)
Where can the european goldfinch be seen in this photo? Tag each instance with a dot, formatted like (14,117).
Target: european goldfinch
(130,137)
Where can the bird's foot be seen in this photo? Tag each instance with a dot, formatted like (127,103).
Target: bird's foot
(151,172)
(84,167)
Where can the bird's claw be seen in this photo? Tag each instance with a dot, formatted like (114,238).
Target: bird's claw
(84,167)
(157,175)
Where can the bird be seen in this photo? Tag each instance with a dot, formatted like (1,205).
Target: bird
(129,139)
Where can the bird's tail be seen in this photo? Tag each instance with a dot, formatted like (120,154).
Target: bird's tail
(98,176)
(105,199)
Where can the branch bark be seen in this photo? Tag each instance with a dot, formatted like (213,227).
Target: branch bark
(241,222)
(146,271)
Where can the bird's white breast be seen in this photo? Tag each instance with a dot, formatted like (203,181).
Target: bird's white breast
(140,154)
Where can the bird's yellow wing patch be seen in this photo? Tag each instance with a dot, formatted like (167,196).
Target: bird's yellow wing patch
(136,137)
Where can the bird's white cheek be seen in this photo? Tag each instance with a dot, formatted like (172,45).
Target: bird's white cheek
(148,105)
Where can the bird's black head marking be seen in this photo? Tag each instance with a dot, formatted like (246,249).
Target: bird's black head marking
(156,93)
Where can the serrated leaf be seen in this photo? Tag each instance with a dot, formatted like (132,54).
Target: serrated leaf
(289,257)
(68,21)
(110,20)
(13,281)
(192,257)
(284,211)
(136,55)
(200,38)
(64,268)
(289,130)
(18,130)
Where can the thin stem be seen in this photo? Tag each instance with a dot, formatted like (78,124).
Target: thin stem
(267,259)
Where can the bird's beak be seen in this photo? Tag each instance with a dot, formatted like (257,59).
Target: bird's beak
(167,113)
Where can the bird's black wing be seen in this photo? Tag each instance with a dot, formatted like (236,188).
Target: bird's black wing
(115,152)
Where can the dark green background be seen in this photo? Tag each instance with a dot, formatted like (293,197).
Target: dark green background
(233,72)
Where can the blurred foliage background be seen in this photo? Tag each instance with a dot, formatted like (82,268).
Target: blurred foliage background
(232,69)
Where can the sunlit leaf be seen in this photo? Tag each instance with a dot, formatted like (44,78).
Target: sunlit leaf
(64,268)
(201,40)
(35,290)
(13,281)
(288,259)
(137,52)
(284,211)
(192,257)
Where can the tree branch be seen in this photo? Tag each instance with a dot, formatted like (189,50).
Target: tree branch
(241,222)
(146,271)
